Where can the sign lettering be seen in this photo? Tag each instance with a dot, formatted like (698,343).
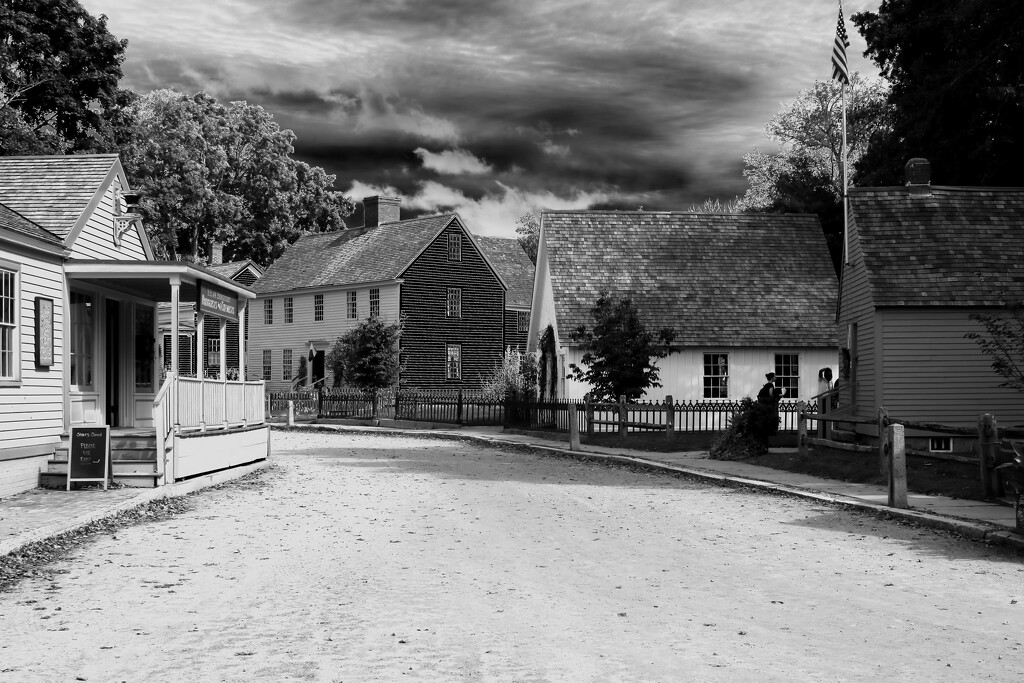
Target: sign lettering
(217,301)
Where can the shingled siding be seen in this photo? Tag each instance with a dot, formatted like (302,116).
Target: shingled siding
(857,307)
(297,334)
(428,330)
(682,372)
(933,374)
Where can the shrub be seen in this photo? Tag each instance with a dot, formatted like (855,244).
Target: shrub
(514,377)
(748,431)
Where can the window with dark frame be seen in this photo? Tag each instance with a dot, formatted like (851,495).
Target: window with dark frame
(453,364)
(289,310)
(454,247)
(787,373)
(351,307)
(268,311)
(268,364)
(523,321)
(716,375)
(286,364)
(940,444)
(374,303)
(318,308)
(454,302)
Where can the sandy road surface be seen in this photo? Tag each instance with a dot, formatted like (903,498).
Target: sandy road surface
(372,558)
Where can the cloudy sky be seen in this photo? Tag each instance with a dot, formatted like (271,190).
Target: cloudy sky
(496,108)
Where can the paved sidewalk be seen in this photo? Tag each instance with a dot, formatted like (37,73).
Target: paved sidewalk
(42,513)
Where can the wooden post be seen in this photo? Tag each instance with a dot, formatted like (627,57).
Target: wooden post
(883,460)
(988,437)
(801,429)
(574,427)
(895,447)
(291,413)
(589,407)
(623,417)
(670,418)
(458,416)
(824,408)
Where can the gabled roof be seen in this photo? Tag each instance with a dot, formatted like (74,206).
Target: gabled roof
(15,222)
(353,256)
(952,246)
(233,268)
(55,191)
(715,279)
(514,267)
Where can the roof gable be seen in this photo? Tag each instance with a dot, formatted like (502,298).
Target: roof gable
(55,192)
(352,256)
(715,279)
(514,267)
(947,247)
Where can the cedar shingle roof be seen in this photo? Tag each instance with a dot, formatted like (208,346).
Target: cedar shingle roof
(953,247)
(53,191)
(715,279)
(514,267)
(352,256)
(15,222)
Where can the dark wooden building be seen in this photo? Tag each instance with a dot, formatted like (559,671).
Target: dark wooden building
(516,269)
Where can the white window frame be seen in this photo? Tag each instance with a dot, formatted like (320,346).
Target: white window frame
(788,381)
(10,330)
(289,310)
(351,306)
(91,341)
(522,321)
(716,382)
(448,365)
(268,311)
(454,307)
(318,308)
(268,365)
(286,364)
(374,303)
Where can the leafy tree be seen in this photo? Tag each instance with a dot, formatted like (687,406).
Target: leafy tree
(529,235)
(619,354)
(366,356)
(59,74)
(214,172)
(1003,342)
(957,74)
(806,175)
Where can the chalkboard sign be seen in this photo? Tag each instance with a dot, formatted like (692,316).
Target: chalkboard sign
(89,454)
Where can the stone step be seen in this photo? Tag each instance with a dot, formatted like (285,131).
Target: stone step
(59,480)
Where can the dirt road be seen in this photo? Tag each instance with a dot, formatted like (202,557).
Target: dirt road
(374,558)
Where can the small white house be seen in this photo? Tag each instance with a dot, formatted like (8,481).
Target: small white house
(79,291)
(744,294)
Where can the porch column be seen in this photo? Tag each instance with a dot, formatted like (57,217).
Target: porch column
(200,375)
(224,368)
(175,303)
(241,341)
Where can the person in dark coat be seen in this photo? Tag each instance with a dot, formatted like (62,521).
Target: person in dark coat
(769,397)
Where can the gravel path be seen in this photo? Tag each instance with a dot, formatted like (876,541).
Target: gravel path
(379,558)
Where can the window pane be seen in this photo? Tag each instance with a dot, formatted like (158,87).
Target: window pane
(454,364)
(288,311)
(318,307)
(267,364)
(352,309)
(268,312)
(144,347)
(81,339)
(454,247)
(374,302)
(787,373)
(8,322)
(454,309)
(716,375)
(286,364)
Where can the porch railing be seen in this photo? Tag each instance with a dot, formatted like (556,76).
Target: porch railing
(204,404)
(164,419)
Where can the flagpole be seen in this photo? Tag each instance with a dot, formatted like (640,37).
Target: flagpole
(846,228)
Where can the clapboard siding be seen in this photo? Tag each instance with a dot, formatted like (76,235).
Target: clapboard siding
(682,372)
(857,307)
(32,414)
(298,334)
(96,240)
(513,337)
(428,330)
(932,373)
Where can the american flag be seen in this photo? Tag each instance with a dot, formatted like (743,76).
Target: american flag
(840,72)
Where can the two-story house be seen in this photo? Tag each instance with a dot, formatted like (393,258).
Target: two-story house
(429,272)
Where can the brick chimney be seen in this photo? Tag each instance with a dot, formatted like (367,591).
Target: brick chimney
(216,253)
(917,175)
(381,209)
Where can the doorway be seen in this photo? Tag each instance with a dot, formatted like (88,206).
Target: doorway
(113,362)
(318,369)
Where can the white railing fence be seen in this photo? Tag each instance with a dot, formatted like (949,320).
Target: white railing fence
(206,404)
(164,418)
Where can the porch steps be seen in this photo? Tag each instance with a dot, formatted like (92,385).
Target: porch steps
(132,461)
